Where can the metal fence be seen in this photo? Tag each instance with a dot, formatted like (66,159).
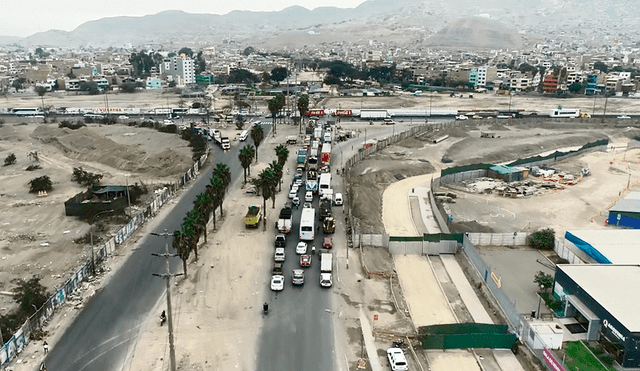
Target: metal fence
(499,239)
(566,253)
(63,294)
(422,247)
(367,239)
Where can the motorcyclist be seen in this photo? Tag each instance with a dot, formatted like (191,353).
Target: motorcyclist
(163,317)
(265,307)
(313,249)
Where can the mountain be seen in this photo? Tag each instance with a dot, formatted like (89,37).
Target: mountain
(410,22)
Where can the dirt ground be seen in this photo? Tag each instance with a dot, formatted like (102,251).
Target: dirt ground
(36,237)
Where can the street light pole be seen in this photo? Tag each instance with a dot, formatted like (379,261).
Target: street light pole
(167,279)
(93,260)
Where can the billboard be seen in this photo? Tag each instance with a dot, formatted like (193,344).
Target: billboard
(343,112)
(316,112)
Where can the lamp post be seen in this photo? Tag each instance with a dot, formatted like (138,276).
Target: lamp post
(539,302)
(93,260)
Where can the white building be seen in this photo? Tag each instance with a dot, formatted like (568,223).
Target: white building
(180,69)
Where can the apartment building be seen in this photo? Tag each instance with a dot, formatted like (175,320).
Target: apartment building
(179,69)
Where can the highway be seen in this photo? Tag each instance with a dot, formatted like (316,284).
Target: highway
(104,333)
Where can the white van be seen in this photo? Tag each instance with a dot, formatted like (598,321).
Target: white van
(244,135)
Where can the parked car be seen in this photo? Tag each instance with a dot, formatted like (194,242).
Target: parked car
(279,254)
(305,261)
(297,277)
(462,117)
(327,243)
(337,199)
(293,193)
(301,248)
(277,282)
(397,359)
(299,182)
(624,117)
(308,197)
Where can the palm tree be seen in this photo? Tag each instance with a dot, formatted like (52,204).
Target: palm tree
(303,107)
(257,134)
(193,221)
(246,158)
(273,108)
(280,103)
(224,173)
(277,171)
(218,189)
(282,152)
(266,181)
(204,204)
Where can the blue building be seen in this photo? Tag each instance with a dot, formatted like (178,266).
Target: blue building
(592,85)
(626,213)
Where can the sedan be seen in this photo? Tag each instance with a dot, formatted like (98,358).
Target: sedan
(279,254)
(301,248)
(307,205)
(297,277)
(293,193)
(624,117)
(296,201)
(327,243)
(305,261)
(277,282)
(462,117)
(299,182)
(308,197)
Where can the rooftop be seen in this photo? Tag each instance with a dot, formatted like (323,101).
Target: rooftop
(619,246)
(615,287)
(630,203)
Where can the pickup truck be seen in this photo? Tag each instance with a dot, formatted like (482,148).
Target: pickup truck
(277,269)
(253,217)
(284,220)
(325,209)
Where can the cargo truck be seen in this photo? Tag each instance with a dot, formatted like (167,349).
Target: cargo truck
(253,217)
(284,220)
(326,267)
(312,181)
(326,154)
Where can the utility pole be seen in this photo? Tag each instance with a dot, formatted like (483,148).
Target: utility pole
(606,98)
(167,278)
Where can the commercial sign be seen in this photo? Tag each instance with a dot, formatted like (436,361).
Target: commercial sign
(550,360)
(613,330)
(344,112)
(316,112)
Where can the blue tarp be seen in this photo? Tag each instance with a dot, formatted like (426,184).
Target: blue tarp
(587,248)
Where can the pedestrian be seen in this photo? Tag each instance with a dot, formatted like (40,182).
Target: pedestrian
(46,347)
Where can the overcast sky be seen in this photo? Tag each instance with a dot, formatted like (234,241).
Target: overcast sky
(26,17)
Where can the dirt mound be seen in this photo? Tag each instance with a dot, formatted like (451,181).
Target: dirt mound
(370,177)
(10,134)
(410,143)
(86,145)
(498,127)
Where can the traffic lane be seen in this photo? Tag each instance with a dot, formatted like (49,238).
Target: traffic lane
(106,328)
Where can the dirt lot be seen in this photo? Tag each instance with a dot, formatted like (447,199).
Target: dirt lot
(36,237)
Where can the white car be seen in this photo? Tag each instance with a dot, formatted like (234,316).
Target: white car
(293,193)
(337,200)
(279,254)
(277,282)
(624,117)
(397,359)
(462,117)
(308,197)
(301,248)
(296,201)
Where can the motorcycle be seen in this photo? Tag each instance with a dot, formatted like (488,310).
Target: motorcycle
(265,308)
(163,318)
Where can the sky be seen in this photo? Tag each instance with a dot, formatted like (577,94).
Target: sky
(26,17)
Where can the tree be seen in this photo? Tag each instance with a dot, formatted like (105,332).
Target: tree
(180,245)
(278,74)
(239,76)
(224,174)
(303,107)
(277,171)
(40,184)
(193,220)
(601,66)
(575,87)
(41,90)
(28,294)
(543,280)
(543,239)
(186,51)
(10,160)
(248,51)
(257,134)
(273,108)
(203,204)
(83,177)
(217,191)
(19,83)
(282,152)
(246,158)
(89,86)
(266,183)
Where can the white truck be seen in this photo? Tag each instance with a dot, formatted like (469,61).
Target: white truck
(216,136)
(326,268)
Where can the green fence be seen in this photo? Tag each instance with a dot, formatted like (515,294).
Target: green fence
(462,169)
(466,335)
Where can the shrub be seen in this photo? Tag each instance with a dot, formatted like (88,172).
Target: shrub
(10,160)
(71,125)
(607,359)
(33,167)
(84,177)
(543,239)
(40,184)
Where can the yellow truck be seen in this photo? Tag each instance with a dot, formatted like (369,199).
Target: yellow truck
(252,219)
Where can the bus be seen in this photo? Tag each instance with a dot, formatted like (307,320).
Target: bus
(325,182)
(564,113)
(307,224)
(27,111)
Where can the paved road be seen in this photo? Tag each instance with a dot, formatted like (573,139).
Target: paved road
(298,331)
(105,331)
